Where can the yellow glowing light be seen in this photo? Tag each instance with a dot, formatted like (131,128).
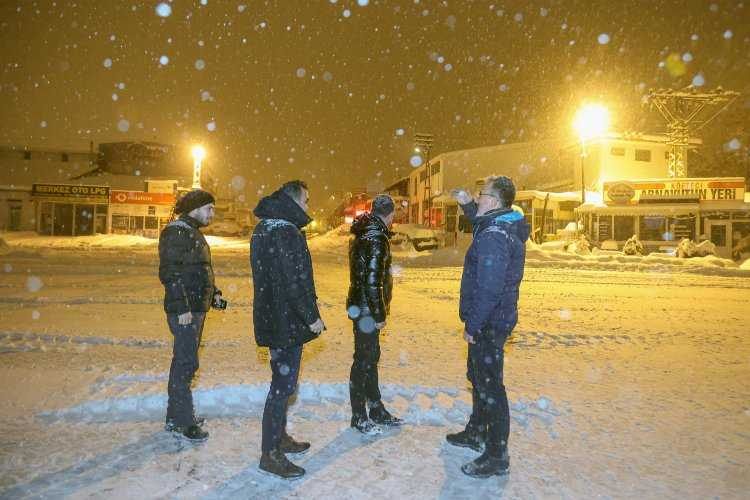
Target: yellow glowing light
(591,121)
(199,152)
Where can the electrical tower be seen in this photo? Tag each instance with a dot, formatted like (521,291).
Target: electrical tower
(687,111)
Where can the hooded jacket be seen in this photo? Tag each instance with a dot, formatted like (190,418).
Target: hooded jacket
(284,304)
(370,278)
(185,267)
(493,269)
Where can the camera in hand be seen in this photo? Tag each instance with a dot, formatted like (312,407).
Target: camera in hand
(219,302)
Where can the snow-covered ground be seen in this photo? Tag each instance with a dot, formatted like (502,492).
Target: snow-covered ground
(628,377)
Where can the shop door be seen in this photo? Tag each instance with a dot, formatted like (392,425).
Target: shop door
(63,220)
(719,234)
(84,220)
(14,219)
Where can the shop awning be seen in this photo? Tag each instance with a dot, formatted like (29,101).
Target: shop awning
(647,209)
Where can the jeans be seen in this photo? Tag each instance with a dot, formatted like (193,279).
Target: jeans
(187,339)
(285,364)
(490,416)
(363,379)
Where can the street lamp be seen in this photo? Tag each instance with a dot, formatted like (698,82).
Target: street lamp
(199,153)
(590,122)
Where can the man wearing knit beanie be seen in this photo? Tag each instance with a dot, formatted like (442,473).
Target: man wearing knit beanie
(186,272)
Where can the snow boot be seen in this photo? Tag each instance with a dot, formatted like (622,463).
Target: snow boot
(381,416)
(366,426)
(488,465)
(190,432)
(289,445)
(170,425)
(467,439)
(274,462)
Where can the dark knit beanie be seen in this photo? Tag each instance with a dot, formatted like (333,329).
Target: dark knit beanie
(192,200)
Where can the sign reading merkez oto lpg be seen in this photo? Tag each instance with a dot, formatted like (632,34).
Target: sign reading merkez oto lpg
(71,192)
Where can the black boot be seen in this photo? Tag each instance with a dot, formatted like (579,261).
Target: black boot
(381,416)
(467,439)
(191,432)
(289,445)
(276,463)
(197,420)
(366,426)
(488,465)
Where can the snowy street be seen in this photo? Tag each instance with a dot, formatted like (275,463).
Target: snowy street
(622,384)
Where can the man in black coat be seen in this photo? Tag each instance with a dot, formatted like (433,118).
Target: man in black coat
(368,305)
(187,275)
(493,269)
(285,312)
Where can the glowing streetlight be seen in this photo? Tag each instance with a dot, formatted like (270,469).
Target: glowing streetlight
(199,153)
(590,122)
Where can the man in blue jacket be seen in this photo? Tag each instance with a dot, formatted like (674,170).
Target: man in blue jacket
(493,269)
(285,312)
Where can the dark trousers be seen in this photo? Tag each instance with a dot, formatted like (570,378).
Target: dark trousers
(490,414)
(285,364)
(187,339)
(363,379)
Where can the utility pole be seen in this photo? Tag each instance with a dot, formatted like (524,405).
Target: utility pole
(423,146)
(687,111)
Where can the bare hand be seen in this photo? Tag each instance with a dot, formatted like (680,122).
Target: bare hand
(185,318)
(380,326)
(461,195)
(468,338)
(318,326)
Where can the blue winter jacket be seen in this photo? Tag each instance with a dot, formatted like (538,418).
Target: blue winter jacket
(493,269)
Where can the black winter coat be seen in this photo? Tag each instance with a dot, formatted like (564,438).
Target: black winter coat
(284,304)
(493,269)
(185,267)
(371,284)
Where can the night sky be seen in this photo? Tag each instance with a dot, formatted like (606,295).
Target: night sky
(334,91)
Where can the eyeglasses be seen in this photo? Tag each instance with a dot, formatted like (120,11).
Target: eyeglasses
(480,194)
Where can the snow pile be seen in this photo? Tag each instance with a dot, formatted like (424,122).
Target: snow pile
(34,240)
(418,405)
(335,241)
(557,254)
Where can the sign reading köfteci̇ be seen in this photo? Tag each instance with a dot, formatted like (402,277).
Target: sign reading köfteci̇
(140,198)
(71,192)
(701,189)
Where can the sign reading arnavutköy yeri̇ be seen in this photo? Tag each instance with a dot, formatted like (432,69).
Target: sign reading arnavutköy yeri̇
(71,192)
(703,189)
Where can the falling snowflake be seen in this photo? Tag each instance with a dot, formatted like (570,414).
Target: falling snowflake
(728,34)
(34,284)
(123,125)
(164,60)
(200,64)
(301,72)
(415,161)
(163,10)
(699,80)
(211,126)
(107,63)
(399,131)
(603,39)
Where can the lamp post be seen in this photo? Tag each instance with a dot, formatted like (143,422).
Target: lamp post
(591,121)
(199,153)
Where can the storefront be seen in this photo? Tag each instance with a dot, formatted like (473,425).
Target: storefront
(70,210)
(139,212)
(660,212)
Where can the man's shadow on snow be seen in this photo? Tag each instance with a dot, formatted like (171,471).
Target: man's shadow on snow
(258,484)
(99,468)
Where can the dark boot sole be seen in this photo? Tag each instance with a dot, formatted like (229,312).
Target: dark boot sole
(478,449)
(287,452)
(183,437)
(268,473)
(501,473)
